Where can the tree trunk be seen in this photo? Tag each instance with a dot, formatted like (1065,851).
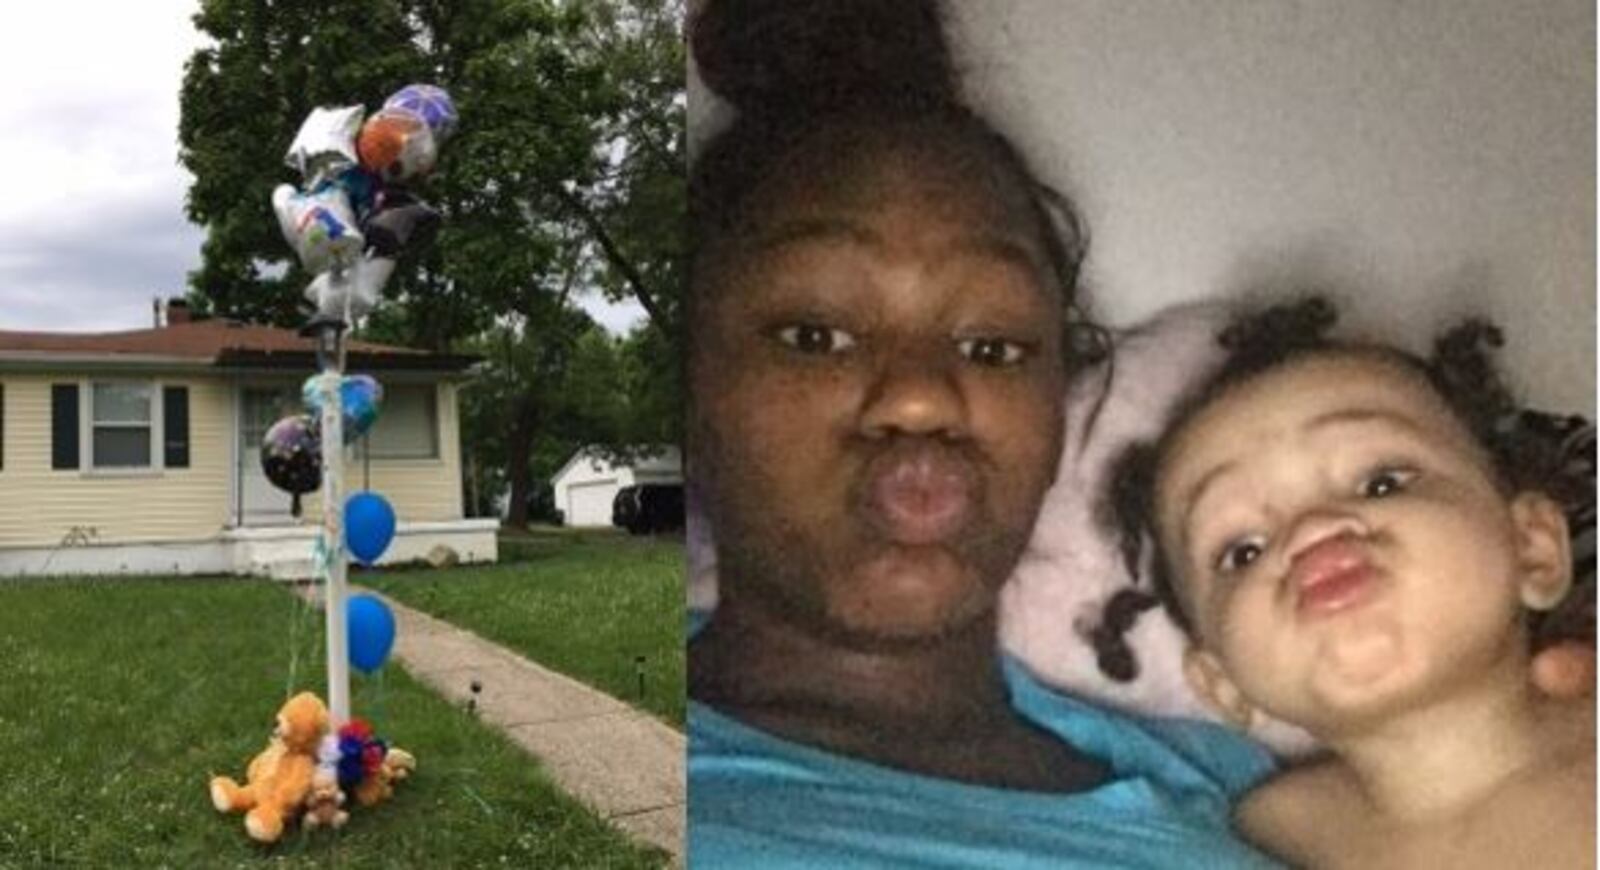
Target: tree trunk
(518,448)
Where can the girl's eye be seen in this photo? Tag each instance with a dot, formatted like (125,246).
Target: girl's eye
(811,338)
(995,352)
(1239,555)
(1386,482)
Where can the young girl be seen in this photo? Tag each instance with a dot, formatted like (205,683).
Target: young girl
(1353,543)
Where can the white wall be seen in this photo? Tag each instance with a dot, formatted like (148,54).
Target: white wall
(1438,156)
(588,503)
(586,488)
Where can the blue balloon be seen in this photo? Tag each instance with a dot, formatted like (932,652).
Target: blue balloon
(359,396)
(369,627)
(368,526)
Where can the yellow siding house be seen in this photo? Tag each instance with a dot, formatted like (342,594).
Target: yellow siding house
(138,452)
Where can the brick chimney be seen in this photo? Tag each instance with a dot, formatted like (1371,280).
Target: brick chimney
(178,311)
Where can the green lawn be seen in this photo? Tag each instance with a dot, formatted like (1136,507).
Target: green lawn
(587,604)
(119,699)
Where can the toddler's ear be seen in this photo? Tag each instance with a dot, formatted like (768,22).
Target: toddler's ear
(1544,550)
(1208,680)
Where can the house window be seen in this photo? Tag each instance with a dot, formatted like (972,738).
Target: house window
(175,427)
(121,423)
(407,426)
(64,432)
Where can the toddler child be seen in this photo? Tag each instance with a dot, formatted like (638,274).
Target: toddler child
(1352,542)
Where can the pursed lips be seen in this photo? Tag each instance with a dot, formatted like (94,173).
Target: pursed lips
(1330,576)
(919,493)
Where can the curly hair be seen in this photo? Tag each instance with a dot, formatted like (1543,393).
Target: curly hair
(1460,370)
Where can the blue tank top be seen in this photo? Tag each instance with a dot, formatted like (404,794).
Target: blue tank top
(757,800)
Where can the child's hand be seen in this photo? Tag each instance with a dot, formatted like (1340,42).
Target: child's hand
(1566,670)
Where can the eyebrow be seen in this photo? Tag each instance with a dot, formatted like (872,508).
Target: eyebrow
(995,246)
(1191,496)
(998,247)
(1350,416)
(817,230)
(1342,417)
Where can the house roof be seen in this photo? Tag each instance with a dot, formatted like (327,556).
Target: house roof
(218,342)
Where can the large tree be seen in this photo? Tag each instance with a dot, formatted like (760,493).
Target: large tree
(636,210)
(566,176)
(534,169)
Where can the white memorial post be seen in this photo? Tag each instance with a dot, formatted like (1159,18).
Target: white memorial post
(330,354)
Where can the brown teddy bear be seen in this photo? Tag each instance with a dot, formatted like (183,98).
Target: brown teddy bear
(378,786)
(279,778)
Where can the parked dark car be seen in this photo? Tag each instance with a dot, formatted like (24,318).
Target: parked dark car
(625,507)
(649,508)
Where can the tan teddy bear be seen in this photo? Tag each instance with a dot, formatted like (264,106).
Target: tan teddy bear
(279,777)
(324,806)
(399,763)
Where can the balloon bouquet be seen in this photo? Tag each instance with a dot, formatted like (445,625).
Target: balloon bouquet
(348,223)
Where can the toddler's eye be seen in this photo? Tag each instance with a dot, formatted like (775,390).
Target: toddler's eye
(811,338)
(1239,555)
(1386,481)
(995,352)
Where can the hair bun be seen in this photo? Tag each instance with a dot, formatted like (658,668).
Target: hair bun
(1463,365)
(1262,338)
(784,56)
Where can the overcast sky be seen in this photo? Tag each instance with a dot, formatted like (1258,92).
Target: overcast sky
(91,212)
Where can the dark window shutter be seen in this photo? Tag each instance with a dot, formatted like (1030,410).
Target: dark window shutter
(175,426)
(64,426)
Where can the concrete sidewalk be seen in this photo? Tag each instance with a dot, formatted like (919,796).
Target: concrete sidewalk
(624,764)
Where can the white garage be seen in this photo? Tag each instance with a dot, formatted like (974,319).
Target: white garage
(588,483)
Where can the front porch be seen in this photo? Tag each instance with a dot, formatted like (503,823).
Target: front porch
(279,552)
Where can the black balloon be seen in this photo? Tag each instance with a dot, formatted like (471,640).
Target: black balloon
(291,456)
(398,222)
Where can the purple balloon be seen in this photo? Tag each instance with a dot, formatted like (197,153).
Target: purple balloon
(429,102)
(291,456)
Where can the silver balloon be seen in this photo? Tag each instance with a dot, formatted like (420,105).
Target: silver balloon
(326,143)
